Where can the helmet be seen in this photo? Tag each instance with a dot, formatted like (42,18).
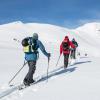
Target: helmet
(35,36)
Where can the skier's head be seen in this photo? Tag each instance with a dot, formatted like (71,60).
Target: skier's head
(35,36)
(73,39)
(66,38)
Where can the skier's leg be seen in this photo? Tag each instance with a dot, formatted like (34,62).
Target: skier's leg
(74,54)
(71,54)
(73,60)
(29,77)
(66,56)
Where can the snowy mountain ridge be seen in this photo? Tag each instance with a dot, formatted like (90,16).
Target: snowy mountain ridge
(87,36)
(90,27)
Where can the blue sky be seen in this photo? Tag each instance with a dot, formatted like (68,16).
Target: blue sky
(66,13)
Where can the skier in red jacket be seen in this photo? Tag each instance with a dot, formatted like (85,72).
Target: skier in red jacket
(65,48)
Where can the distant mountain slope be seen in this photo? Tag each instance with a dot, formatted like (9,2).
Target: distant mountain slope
(87,35)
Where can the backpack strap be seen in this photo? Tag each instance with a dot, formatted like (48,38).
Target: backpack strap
(65,45)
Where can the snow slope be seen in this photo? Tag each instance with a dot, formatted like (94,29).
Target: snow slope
(89,37)
(79,82)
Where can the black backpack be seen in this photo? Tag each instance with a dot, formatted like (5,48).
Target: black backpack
(75,43)
(25,42)
(65,46)
(32,45)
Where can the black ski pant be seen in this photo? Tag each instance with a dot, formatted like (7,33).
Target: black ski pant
(73,54)
(31,71)
(66,57)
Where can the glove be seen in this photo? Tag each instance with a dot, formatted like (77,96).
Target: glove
(49,55)
(71,49)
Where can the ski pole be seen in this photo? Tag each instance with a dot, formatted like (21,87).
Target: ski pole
(15,39)
(58,60)
(17,72)
(48,67)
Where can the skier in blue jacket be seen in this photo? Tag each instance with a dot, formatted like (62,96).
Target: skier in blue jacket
(30,47)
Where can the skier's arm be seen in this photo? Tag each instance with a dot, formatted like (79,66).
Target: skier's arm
(42,48)
(72,45)
(61,49)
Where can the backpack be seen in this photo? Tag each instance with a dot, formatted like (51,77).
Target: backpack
(29,46)
(65,46)
(25,42)
(75,43)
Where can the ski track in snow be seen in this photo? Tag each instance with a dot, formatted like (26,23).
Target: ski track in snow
(13,93)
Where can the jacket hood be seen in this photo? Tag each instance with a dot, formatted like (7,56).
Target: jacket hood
(66,39)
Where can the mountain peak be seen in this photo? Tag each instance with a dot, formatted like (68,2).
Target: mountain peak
(94,26)
(17,22)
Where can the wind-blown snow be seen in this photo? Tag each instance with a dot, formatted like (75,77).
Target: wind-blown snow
(79,82)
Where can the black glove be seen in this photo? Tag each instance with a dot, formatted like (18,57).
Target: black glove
(49,55)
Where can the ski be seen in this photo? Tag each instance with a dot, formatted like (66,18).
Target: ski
(22,86)
(12,88)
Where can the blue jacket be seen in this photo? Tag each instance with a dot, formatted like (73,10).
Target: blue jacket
(33,55)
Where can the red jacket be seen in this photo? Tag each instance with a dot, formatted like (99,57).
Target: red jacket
(70,44)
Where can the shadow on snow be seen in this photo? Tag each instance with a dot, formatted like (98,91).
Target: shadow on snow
(82,62)
(61,70)
(58,72)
